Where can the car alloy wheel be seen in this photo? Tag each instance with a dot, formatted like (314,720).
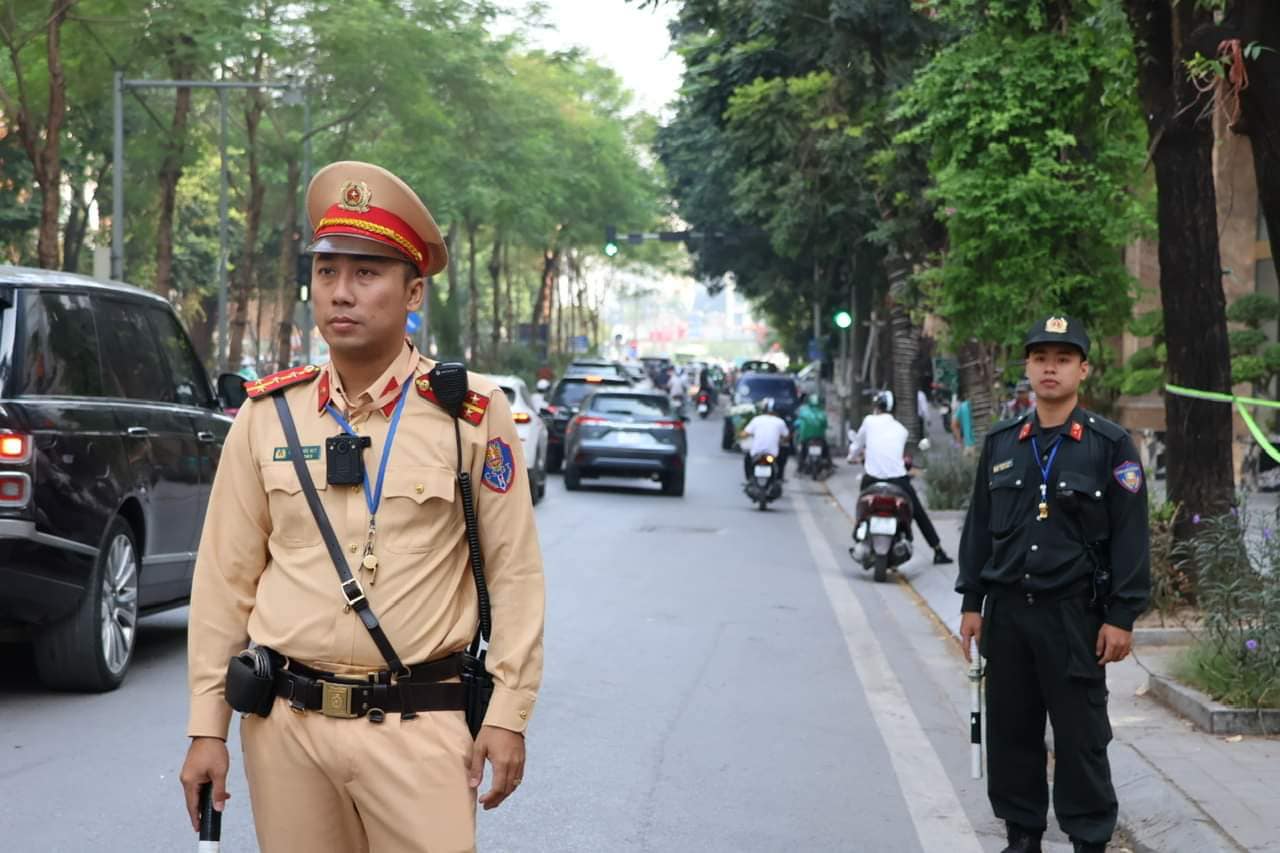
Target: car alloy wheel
(118,618)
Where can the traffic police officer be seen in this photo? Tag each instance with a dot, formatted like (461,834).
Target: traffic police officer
(320,781)
(1054,569)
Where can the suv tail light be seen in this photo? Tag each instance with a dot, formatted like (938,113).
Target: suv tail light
(670,424)
(15,490)
(522,417)
(15,447)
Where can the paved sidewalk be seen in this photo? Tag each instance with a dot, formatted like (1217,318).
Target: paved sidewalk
(1181,791)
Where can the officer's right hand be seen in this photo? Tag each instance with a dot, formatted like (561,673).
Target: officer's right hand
(970,632)
(207,761)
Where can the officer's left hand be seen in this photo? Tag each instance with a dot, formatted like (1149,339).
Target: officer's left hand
(1114,644)
(505,751)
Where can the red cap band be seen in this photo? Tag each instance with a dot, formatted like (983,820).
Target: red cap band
(376,224)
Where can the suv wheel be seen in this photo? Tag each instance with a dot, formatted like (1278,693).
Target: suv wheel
(91,649)
(572,479)
(726,435)
(673,484)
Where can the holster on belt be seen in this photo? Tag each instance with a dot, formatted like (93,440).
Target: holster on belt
(479,687)
(250,687)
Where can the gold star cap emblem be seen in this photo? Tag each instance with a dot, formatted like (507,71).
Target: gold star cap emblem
(356,196)
(1056,325)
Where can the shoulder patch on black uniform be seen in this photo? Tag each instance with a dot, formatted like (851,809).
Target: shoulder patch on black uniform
(279,381)
(1098,423)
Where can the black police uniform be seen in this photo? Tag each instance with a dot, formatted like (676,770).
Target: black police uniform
(1043,589)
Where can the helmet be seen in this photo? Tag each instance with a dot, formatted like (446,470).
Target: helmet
(766,405)
(815,400)
(542,384)
(881,402)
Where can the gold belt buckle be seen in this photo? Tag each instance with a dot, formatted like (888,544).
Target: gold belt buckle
(336,700)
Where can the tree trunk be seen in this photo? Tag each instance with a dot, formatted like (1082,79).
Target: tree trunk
(169,175)
(49,167)
(244,277)
(977,372)
(1198,433)
(495,270)
(77,224)
(289,246)
(906,346)
(510,303)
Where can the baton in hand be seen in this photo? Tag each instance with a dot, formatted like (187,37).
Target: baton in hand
(975,712)
(210,822)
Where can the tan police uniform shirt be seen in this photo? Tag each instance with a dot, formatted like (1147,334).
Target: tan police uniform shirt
(263,572)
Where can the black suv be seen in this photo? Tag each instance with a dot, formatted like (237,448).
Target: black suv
(750,390)
(566,397)
(109,435)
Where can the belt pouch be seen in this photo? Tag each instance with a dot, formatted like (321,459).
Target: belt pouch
(250,688)
(479,690)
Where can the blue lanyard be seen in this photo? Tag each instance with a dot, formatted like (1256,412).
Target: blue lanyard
(1045,467)
(376,497)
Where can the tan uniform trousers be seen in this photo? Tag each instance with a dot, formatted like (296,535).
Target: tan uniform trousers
(325,785)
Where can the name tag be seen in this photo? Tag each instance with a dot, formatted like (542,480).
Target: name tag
(309,452)
(1003,466)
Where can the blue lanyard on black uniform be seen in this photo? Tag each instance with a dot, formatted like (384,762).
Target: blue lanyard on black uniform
(1045,465)
(374,498)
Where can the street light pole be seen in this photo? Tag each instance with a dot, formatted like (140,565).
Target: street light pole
(117,178)
(304,221)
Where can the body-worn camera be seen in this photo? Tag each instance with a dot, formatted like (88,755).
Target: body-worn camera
(344,459)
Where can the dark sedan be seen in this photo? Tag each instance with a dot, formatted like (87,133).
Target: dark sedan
(566,397)
(626,434)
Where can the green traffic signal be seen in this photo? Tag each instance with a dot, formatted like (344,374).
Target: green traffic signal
(611,249)
(843,319)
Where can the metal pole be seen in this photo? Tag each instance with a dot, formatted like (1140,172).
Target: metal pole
(223,320)
(117,179)
(308,316)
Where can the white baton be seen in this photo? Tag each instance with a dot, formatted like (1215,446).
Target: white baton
(975,712)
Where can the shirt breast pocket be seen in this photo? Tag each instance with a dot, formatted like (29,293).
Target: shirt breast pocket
(419,512)
(1007,489)
(1082,495)
(291,520)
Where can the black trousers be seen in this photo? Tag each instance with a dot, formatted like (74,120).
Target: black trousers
(1041,661)
(917,509)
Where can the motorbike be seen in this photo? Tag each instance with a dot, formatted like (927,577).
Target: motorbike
(763,486)
(704,404)
(882,532)
(814,460)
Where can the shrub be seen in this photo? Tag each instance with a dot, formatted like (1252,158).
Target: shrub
(1171,589)
(948,478)
(1236,658)
(1246,341)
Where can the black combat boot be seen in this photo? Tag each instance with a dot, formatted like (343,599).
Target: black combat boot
(1086,847)
(1022,840)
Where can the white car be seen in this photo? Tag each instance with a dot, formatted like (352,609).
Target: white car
(531,429)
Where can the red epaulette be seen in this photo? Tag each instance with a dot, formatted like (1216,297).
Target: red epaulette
(279,381)
(473,407)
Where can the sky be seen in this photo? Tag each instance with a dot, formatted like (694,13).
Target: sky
(632,41)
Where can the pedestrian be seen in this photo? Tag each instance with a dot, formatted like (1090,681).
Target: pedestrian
(962,421)
(922,409)
(884,441)
(386,642)
(1054,569)
(1021,403)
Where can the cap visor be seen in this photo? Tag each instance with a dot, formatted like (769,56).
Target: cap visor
(346,244)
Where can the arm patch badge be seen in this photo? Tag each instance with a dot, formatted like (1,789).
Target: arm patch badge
(499,466)
(1129,476)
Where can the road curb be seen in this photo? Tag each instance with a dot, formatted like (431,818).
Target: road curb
(1155,814)
(1209,716)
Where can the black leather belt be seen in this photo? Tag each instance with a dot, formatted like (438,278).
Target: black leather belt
(1080,589)
(346,697)
(441,669)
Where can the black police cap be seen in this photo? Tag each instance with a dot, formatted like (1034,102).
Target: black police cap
(1058,329)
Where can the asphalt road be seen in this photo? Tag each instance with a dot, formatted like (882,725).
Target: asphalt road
(717,679)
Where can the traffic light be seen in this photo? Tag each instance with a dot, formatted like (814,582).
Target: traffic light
(610,240)
(843,319)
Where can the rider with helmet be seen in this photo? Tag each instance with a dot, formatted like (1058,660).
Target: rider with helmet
(541,389)
(811,424)
(885,442)
(767,431)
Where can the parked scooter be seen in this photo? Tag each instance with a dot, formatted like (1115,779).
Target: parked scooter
(764,485)
(883,530)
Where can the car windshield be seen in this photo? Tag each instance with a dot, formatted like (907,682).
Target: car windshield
(758,387)
(571,392)
(610,370)
(511,394)
(631,405)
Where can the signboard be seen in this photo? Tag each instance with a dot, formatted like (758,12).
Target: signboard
(413,323)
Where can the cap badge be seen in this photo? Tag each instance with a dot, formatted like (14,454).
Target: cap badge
(1056,325)
(356,196)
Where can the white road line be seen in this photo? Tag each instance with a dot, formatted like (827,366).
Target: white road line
(934,806)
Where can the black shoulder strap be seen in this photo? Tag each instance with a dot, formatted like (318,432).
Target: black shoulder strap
(476,557)
(351,589)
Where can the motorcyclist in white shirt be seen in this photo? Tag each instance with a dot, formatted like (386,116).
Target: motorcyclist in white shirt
(676,390)
(767,431)
(884,440)
(540,394)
